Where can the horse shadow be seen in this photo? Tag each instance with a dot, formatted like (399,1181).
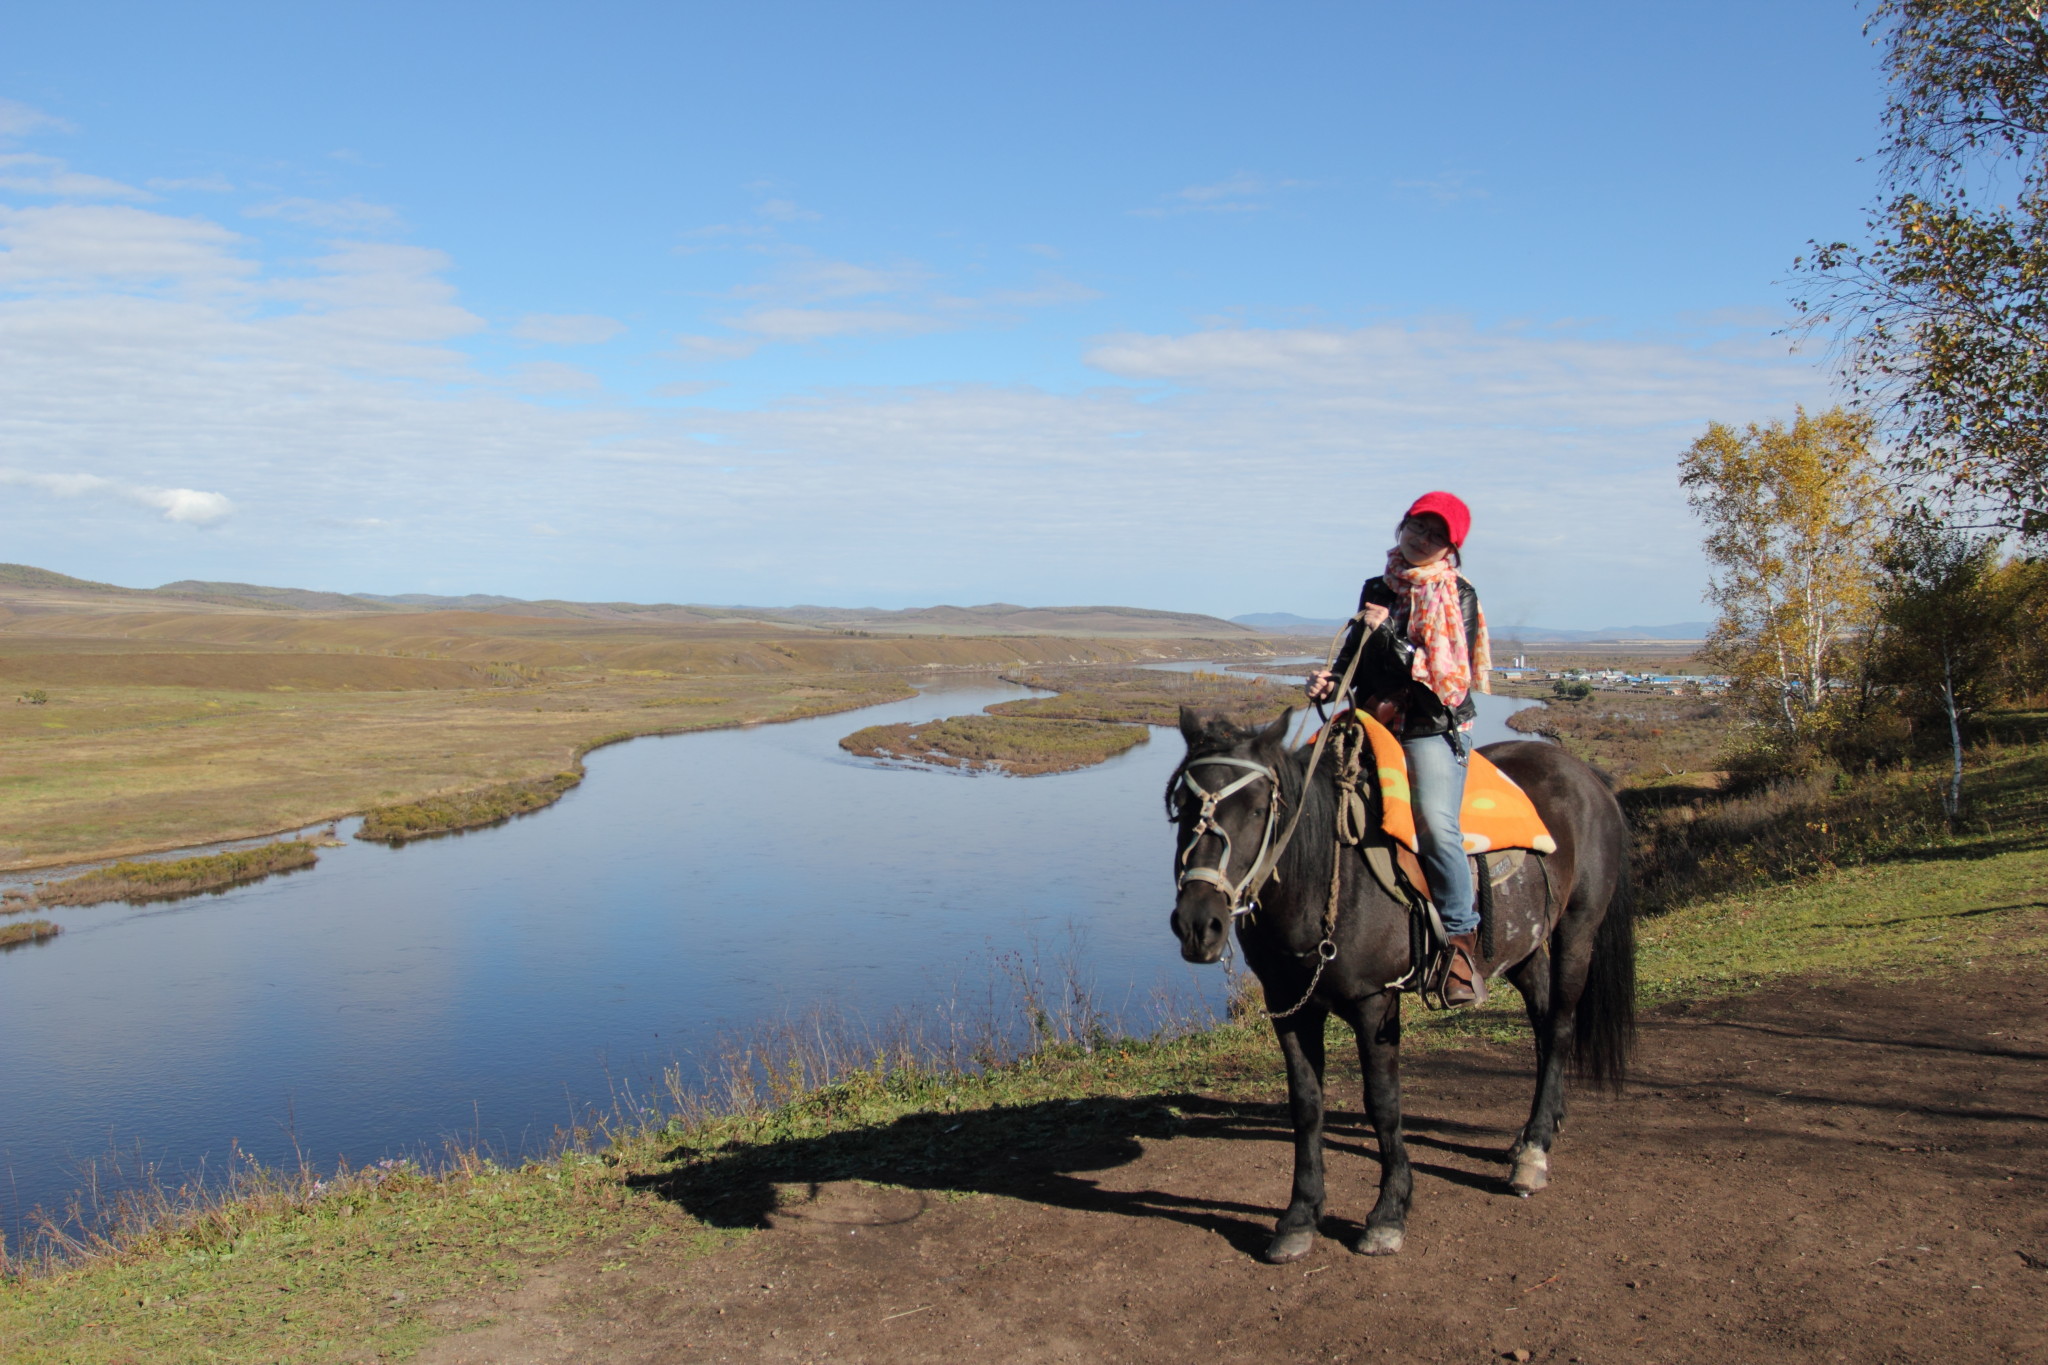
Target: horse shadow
(1051,1152)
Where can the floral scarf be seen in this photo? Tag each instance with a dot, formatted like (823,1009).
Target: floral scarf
(1437,630)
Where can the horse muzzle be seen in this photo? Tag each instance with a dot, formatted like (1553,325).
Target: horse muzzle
(1201,921)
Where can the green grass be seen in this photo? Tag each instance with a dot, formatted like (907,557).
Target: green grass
(139,882)
(342,1271)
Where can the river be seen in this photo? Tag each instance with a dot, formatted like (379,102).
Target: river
(491,987)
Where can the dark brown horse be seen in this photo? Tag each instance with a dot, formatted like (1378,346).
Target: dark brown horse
(1562,932)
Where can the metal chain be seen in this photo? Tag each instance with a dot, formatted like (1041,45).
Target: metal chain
(1326,953)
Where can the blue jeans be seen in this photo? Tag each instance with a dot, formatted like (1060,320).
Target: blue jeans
(1436,788)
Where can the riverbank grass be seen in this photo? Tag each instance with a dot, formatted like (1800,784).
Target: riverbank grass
(27,931)
(140,882)
(432,815)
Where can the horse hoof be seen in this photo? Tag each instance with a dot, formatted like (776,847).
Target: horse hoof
(1531,1173)
(1381,1241)
(1290,1246)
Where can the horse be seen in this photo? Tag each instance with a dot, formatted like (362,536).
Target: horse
(1565,937)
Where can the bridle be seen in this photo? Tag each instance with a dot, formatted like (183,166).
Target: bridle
(1243,893)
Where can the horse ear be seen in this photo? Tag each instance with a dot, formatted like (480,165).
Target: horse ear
(1192,723)
(1275,735)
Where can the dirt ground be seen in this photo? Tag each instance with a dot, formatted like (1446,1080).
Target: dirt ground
(1848,1172)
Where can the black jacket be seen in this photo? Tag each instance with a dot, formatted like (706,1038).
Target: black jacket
(1384,670)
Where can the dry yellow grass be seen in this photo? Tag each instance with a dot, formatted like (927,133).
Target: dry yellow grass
(166,728)
(104,771)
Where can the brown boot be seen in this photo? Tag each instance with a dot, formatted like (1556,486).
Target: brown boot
(1463,983)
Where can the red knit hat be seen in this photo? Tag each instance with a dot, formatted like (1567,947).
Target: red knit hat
(1457,516)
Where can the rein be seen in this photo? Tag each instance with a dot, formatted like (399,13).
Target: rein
(1244,894)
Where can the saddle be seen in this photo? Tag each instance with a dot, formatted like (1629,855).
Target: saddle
(1375,814)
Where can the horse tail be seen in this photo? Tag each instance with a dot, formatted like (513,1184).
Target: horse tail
(1604,1031)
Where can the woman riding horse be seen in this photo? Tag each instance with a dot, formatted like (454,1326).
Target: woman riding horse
(1426,651)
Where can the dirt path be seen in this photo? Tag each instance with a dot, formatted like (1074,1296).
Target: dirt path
(1853,1172)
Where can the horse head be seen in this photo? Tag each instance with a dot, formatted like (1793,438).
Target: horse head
(1225,797)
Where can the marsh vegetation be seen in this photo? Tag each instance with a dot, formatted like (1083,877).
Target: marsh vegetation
(139,882)
(1021,747)
(27,931)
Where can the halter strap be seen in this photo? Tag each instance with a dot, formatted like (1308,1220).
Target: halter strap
(1219,875)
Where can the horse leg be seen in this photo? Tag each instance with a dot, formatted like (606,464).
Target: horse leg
(1550,990)
(1301,1044)
(1378,1025)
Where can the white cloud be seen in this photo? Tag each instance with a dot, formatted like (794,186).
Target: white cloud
(694,349)
(19,120)
(567,329)
(1451,187)
(815,324)
(187,505)
(28,173)
(206,184)
(785,211)
(687,388)
(76,245)
(335,215)
(809,279)
(1239,193)
(547,376)
(1051,291)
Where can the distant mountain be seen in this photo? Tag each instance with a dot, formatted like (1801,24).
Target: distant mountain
(29,576)
(1287,623)
(45,589)
(284,599)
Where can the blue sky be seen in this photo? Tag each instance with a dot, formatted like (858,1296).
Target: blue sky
(1168,305)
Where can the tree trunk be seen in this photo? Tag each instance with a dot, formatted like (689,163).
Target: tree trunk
(1952,800)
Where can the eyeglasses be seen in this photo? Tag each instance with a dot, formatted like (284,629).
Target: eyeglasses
(1428,531)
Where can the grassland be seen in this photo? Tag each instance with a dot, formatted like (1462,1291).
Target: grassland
(139,883)
(174,721)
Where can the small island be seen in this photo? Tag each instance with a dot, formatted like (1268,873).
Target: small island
(1097,714)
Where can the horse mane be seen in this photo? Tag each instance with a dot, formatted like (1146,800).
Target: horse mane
(1305,863)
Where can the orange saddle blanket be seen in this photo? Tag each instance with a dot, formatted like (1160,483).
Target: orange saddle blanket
(1496,815)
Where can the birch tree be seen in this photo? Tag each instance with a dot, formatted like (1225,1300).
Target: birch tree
(1944,630)
(1941,312)
(1792,516)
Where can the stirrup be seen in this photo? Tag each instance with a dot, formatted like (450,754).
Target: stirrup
(1426,942)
